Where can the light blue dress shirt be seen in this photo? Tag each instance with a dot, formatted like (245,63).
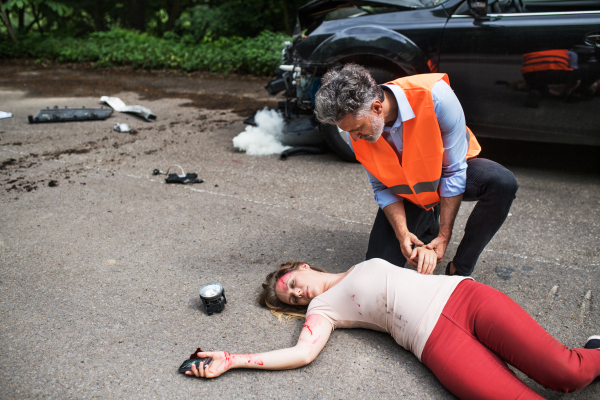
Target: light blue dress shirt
(451,120)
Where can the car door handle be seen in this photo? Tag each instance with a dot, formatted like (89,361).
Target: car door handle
(593,39)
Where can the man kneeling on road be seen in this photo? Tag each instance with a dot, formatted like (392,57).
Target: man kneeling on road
(410,135)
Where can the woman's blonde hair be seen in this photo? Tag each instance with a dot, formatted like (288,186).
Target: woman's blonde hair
(268,298)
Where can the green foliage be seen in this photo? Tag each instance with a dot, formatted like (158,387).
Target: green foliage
(180,34)
(56,6)
(242,18)
(259,55)
(202,19)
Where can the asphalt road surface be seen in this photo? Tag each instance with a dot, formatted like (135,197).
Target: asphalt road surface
(101,262)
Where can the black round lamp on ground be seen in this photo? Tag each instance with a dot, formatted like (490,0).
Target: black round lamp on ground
(213,297)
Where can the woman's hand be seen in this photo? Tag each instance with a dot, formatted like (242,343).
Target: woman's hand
(313,338)
(407,240)
(221,363)
(426,259)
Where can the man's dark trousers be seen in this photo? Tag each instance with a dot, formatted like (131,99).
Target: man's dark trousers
(489,183)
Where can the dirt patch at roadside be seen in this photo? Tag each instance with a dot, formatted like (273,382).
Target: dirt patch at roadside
(243,94)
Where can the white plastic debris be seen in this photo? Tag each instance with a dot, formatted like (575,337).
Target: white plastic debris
(4,114)
(265,138)
(118,105)
(122,128)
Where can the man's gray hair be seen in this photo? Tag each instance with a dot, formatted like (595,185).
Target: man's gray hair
(350,90)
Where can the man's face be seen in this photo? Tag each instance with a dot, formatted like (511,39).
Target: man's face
(368,128)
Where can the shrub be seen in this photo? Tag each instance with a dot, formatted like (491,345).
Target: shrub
(259,55)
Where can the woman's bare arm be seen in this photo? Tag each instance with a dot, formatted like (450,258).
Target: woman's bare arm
(313,337)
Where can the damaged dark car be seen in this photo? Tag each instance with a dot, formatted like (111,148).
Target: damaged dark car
(498,55)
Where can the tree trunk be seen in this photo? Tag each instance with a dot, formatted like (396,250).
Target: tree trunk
(7,23)
(22,18)
(137,13)
(174,14)
(286,17)
(37,16)
(98,16)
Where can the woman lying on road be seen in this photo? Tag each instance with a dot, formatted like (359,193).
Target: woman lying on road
(463,331)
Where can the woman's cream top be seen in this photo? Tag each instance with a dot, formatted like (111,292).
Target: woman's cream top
(378,295)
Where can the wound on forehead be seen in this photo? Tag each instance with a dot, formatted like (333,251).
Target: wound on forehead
(282,282)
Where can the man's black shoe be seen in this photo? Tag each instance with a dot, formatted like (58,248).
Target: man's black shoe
(593,342)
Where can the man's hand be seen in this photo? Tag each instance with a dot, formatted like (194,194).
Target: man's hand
(407,240)
(397,217)
(438,245)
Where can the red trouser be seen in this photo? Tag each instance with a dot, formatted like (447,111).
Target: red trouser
(481,328)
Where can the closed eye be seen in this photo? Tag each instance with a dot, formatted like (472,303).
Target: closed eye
(292,298)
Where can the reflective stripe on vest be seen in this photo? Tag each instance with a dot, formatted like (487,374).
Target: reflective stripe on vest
(418,177)
(548,60)
(401,189)
(420,187)
(430,206)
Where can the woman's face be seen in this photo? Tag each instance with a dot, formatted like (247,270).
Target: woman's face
(299,287)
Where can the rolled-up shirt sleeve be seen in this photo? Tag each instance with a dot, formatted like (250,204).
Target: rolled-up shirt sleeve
(383,196)
(451,120)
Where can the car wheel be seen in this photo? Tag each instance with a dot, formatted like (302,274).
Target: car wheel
(336,140)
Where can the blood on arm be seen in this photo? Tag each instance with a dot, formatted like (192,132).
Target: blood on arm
(315,329)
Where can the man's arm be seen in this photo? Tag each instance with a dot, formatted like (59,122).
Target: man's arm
(393,207)
(419,257)
(448,209)
(383,196)
(397,216)
(451,120)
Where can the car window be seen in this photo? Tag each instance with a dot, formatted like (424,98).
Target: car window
(560,5)
(463,9)
(353,12)
(533,6)
(350,11)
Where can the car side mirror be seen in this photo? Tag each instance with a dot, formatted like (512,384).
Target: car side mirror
(478,8)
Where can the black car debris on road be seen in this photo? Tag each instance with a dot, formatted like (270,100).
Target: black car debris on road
(522,69)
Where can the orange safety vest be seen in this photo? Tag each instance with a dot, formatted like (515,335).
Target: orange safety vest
(418,178)
(548,60)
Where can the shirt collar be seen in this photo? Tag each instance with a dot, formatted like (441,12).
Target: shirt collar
(405,111)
